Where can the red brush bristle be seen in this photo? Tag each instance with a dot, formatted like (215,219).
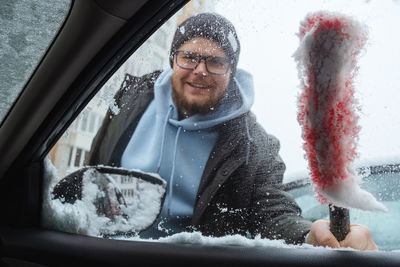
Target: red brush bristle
(327,105)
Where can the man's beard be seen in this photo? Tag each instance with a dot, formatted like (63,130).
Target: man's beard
(189,109)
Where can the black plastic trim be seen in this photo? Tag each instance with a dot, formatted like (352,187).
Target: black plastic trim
(63,249)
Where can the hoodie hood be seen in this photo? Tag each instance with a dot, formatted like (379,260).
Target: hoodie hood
(237,100)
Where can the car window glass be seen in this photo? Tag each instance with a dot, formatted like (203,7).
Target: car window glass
(268,34)
(27,29)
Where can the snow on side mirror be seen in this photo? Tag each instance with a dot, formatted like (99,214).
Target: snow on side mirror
(90,201)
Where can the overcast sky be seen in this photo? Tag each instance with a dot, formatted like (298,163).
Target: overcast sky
(267,30)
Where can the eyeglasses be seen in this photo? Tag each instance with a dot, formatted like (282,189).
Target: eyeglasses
(190,60)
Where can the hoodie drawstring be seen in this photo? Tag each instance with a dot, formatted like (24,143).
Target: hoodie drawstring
(171,180)
(163,139)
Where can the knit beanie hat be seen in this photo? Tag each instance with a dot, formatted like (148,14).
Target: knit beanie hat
(212,26)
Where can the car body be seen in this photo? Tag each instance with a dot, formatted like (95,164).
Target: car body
(76,65)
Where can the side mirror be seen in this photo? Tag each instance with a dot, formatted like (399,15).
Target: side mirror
(91,201)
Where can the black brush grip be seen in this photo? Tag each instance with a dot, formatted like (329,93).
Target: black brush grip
(339,222)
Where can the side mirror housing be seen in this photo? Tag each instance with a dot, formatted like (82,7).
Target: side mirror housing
(91,201)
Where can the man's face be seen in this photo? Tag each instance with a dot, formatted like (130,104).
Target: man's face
(198,91)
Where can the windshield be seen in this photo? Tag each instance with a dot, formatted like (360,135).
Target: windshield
(27,29)
(226,180)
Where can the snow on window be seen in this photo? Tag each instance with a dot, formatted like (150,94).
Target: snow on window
(182,29)
(27,28)
(198,238)
(82,216)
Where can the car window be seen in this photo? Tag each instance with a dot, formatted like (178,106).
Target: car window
(27,29)
(268,35)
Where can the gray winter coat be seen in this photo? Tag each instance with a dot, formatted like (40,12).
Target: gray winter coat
(236,195)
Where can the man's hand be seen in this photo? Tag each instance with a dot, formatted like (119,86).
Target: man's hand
(359,237)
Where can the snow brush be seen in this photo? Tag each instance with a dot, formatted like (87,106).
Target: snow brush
(327,64)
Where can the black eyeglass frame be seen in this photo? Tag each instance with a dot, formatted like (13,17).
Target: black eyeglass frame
(201,57)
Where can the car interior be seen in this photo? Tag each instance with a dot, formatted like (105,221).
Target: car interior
(95,39)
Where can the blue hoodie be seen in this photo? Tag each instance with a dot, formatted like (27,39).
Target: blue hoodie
(178,150)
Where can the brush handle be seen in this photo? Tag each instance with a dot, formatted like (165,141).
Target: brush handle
(340,222)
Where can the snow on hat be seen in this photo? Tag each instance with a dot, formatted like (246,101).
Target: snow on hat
(212,26)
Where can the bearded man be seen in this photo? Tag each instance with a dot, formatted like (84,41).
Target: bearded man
(193,126)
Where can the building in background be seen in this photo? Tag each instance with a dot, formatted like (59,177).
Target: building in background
(73,147)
